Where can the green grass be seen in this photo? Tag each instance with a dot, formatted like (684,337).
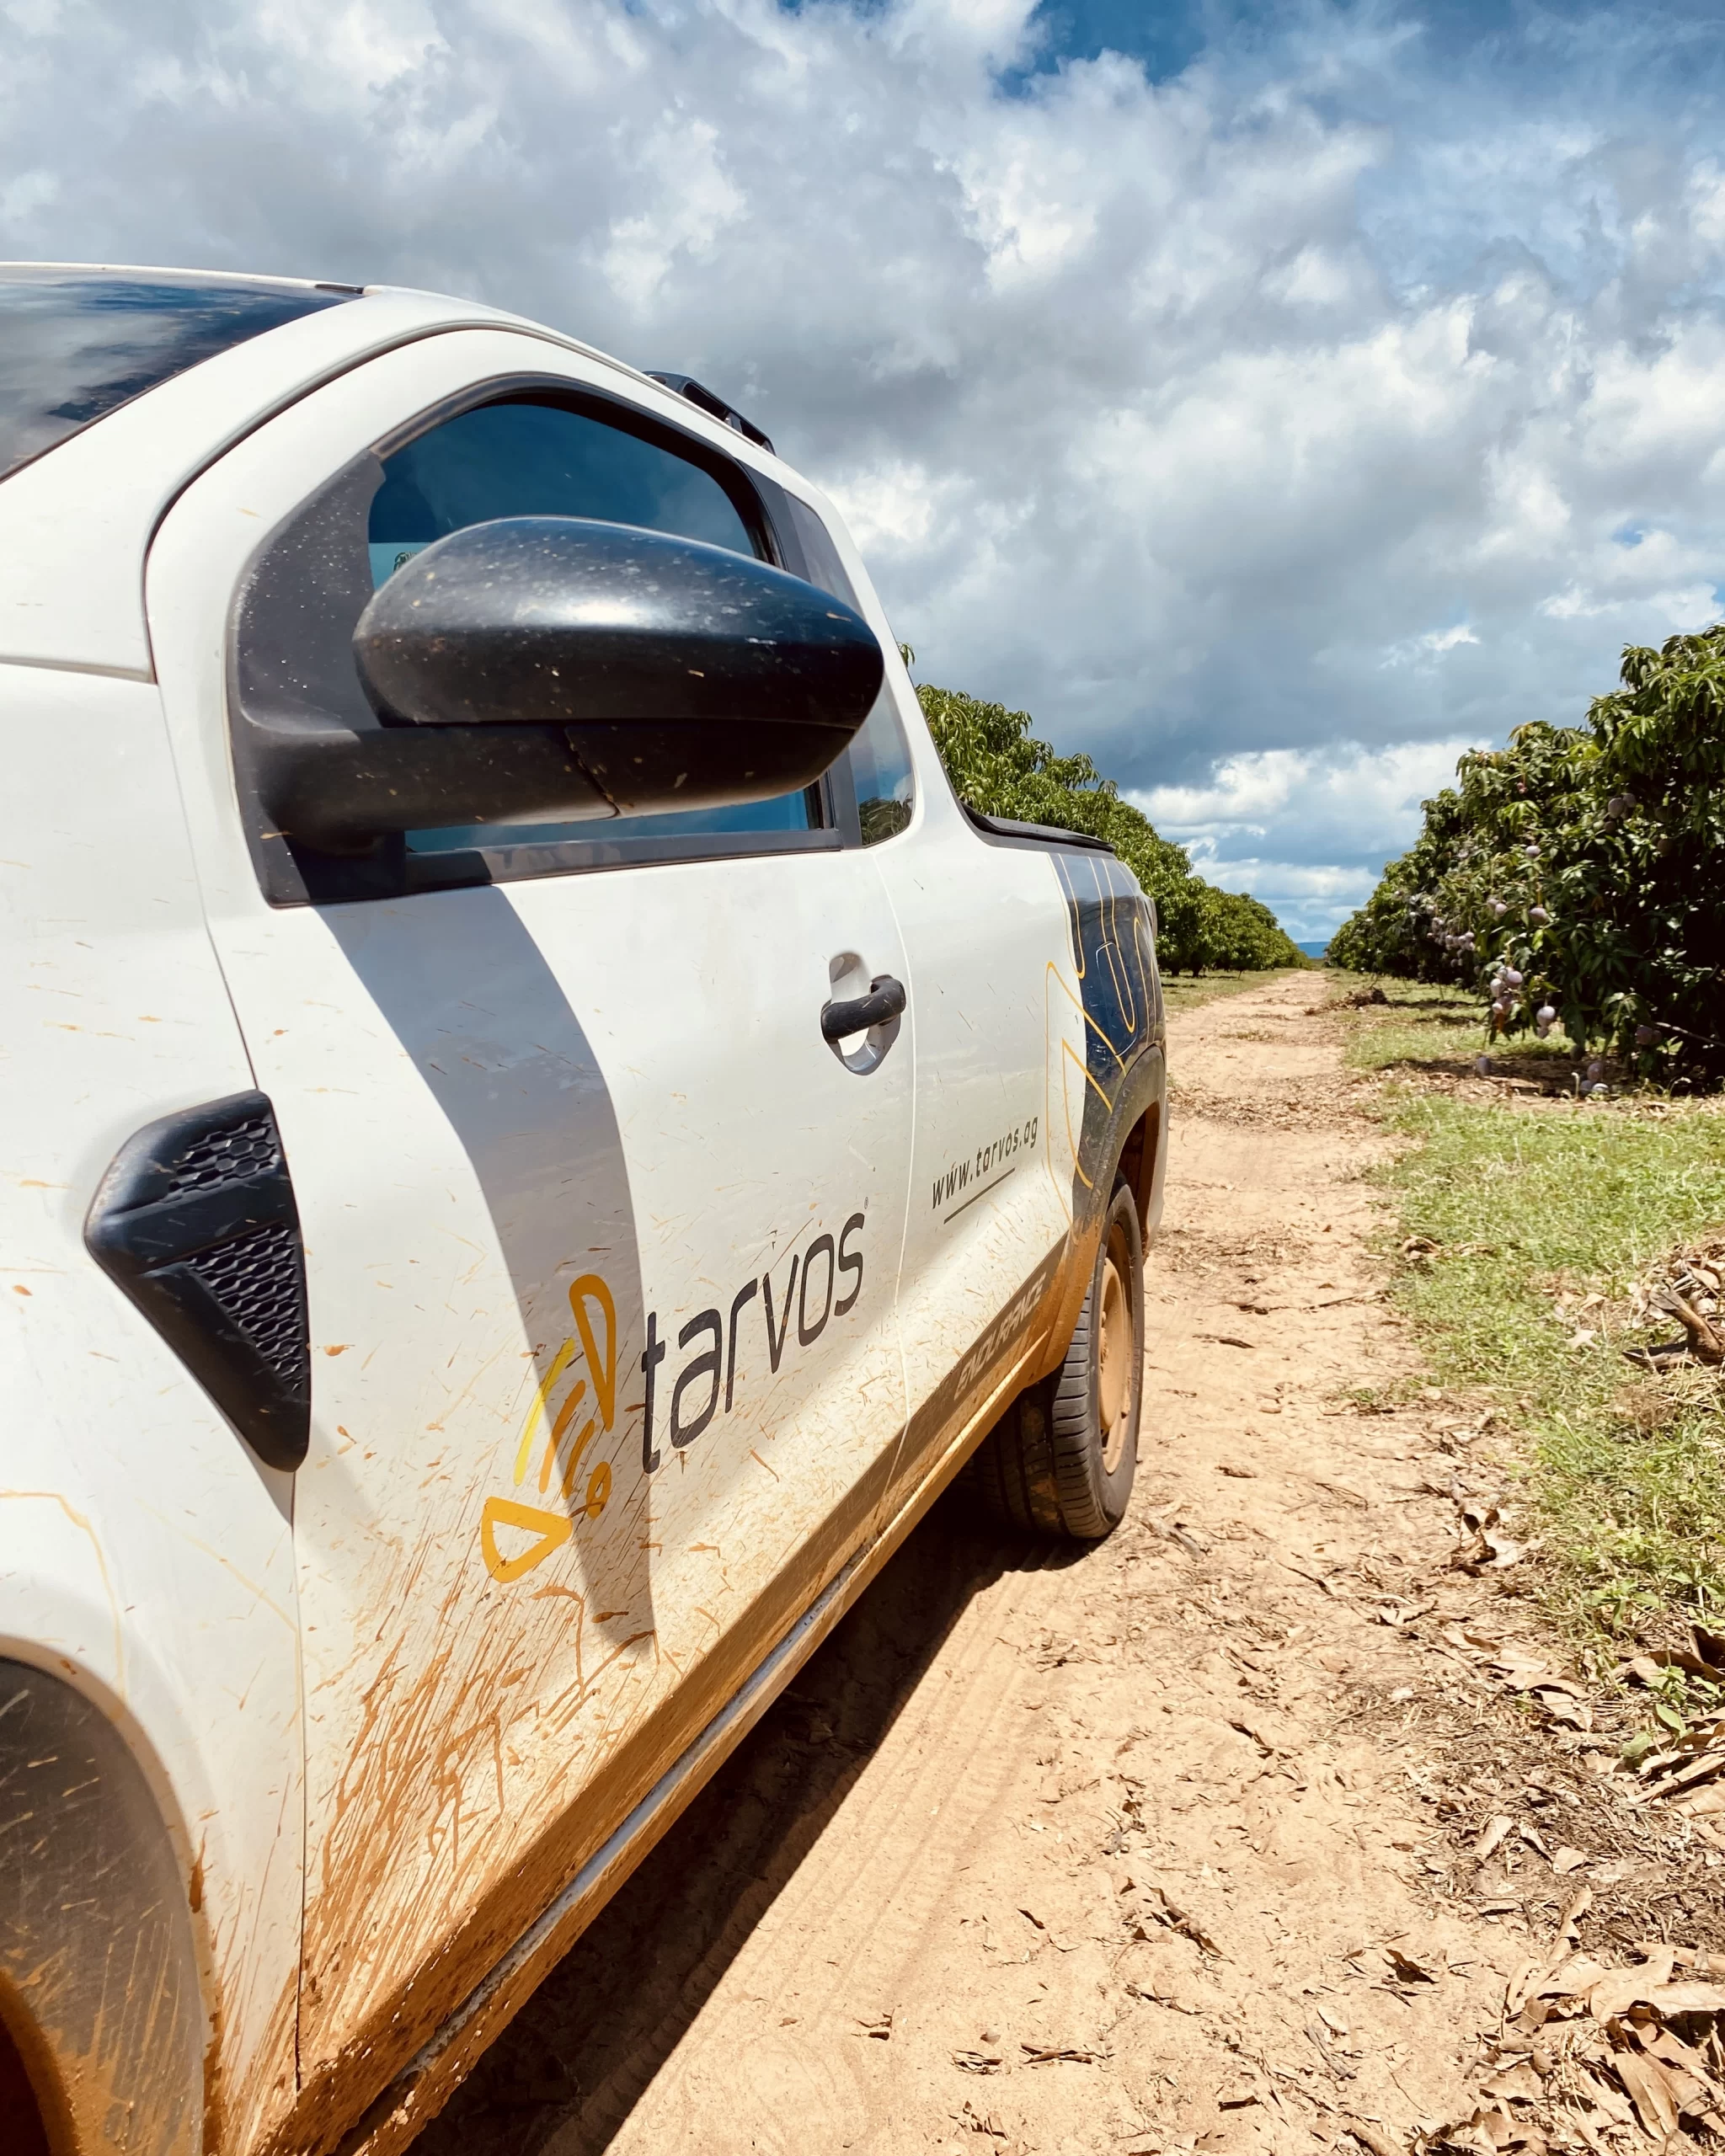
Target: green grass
(1186,991)
(1422,1027)
(1624,1472)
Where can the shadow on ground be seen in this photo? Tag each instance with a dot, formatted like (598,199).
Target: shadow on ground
(1528,1073)
(1554,1070)
(578,2056)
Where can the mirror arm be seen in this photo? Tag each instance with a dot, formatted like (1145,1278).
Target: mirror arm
(338,788)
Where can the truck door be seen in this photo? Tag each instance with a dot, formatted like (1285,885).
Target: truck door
(990,1212)
(601,1233)
(1001,1054)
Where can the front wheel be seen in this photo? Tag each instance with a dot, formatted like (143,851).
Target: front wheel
(1061,1460)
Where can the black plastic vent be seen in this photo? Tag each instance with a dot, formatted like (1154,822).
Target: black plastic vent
(226,1157)
(260,1281)
(195,1221)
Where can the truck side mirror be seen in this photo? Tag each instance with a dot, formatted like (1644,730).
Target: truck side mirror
(551,667)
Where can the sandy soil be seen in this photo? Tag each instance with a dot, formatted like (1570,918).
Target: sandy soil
(1163,1844)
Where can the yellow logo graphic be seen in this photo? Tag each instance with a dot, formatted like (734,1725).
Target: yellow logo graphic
(588,1296)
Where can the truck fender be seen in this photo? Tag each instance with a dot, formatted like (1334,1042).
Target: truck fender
(99,1971)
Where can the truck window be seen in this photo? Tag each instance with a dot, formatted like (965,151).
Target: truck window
(880,755)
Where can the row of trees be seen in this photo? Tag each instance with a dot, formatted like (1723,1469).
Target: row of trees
(999,766)
(1578,874)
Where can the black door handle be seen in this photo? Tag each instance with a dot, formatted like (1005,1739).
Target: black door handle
(885,999)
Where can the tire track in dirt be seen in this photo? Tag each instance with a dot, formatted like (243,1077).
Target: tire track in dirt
(1150,1806)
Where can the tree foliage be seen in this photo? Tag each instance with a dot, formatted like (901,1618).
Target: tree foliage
(999,767)
(1580,873)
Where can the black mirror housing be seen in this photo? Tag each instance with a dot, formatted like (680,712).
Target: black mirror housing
(543,670)
(680,674)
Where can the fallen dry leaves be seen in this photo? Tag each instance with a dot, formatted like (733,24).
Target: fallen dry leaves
(978,2063)
(1601,2059)
(1686,1285)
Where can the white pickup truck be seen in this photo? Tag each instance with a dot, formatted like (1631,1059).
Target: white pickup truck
(539,1137)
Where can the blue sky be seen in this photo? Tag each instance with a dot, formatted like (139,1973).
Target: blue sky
(1273,401)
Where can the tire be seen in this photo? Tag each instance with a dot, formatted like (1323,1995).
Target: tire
(1061,1460)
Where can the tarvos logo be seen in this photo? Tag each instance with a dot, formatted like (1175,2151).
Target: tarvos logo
(588,1297)
(694,1395)
(716,1351)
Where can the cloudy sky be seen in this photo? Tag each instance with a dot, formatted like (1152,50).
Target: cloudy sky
(1273,400)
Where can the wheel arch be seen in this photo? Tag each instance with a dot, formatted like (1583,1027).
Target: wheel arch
(1143,1152)
(1133,1142)
(101,1964)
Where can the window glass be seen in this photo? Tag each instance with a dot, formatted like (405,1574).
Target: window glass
(76,344)
(541,460)
(880,754)
(530,458)
(880,763)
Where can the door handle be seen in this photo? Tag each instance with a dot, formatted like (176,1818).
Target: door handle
(884,1001)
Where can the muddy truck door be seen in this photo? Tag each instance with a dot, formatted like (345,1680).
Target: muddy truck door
(599,1123)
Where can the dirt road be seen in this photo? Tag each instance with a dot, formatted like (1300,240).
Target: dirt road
(1120,1849)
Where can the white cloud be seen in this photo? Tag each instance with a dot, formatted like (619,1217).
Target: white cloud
(1287,825)
(1286,883)
(1309,901)
(1325,791)
(1301,400)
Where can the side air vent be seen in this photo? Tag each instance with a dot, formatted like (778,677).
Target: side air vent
(195,1221)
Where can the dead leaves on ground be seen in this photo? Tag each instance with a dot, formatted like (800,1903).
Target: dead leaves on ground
(1689,1286)
(1686,1285)
(1482,1543)
(1422,1249)
(1297,1104)
(1561,1694)
(1609,2061)
(1680,1765)
(1164,1911)
(1407,1970)
(1486,1547)
(1167,1523)
(972,2061)
(1153,1903)
(1685,1770)
(1687,1777)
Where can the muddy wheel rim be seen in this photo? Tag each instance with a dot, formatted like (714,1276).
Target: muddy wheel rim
(1115,1356)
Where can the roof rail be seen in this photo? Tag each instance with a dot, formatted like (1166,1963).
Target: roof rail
(698,394)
